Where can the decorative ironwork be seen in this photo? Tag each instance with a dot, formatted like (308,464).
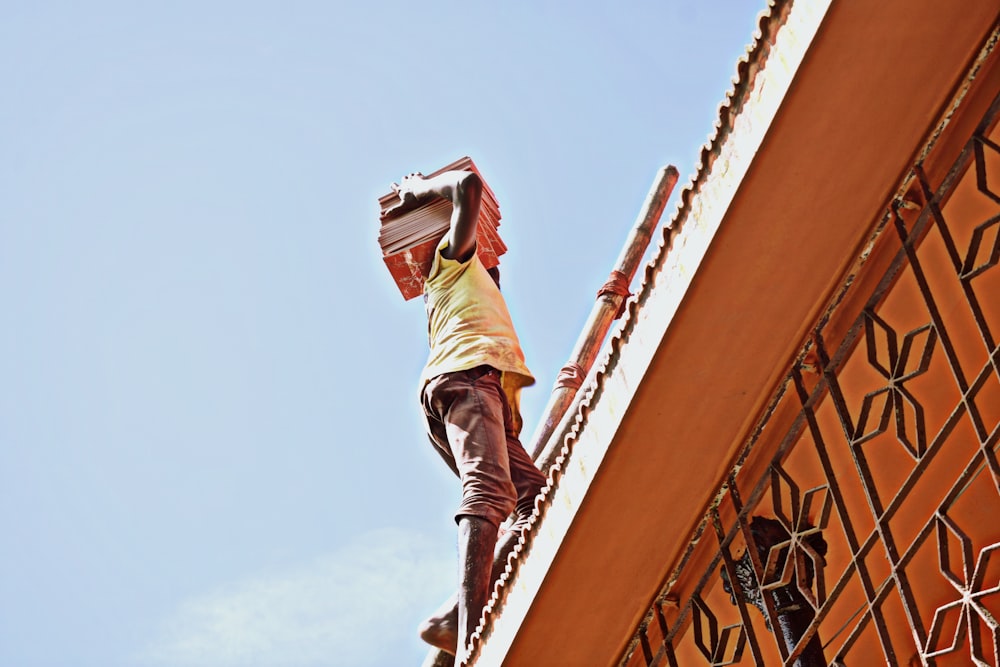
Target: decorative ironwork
(720,649)
(967,614)
(786,556)
(892,552)
(798,555)
(897,369)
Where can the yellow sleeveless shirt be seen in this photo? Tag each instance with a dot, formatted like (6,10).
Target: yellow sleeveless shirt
(468,325)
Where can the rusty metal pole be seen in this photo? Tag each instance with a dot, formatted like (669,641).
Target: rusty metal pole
(610,300)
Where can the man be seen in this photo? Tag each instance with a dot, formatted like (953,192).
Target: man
(469,395)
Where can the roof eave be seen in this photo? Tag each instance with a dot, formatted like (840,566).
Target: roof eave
(807,152)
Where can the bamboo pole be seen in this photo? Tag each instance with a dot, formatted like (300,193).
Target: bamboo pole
(606,310)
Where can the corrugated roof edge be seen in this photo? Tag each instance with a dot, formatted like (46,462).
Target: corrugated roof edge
(769,22)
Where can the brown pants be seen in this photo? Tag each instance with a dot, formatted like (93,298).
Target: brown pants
(469,423)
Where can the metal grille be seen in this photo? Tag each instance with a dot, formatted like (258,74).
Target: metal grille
(873,532)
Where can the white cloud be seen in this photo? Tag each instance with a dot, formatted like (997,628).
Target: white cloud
(358,606)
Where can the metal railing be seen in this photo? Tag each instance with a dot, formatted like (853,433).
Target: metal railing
(868,530)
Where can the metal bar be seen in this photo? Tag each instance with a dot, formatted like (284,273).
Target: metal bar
(604,312)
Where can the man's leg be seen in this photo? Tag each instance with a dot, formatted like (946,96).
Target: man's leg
(528,482)
(476,539)
(441,629)
(467,408)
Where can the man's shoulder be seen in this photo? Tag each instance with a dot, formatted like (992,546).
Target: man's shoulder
(444,268)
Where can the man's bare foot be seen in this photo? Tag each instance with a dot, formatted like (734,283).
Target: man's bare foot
(441,630)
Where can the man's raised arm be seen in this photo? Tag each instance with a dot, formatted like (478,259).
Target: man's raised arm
(464,189)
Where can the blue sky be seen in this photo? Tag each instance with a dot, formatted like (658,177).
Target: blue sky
(211,451)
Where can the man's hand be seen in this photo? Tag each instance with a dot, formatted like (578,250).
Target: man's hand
(410,190)
(464,189)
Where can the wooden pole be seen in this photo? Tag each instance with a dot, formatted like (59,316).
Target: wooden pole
(606,310)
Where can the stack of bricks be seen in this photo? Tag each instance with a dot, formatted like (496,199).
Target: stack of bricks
(409,236)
